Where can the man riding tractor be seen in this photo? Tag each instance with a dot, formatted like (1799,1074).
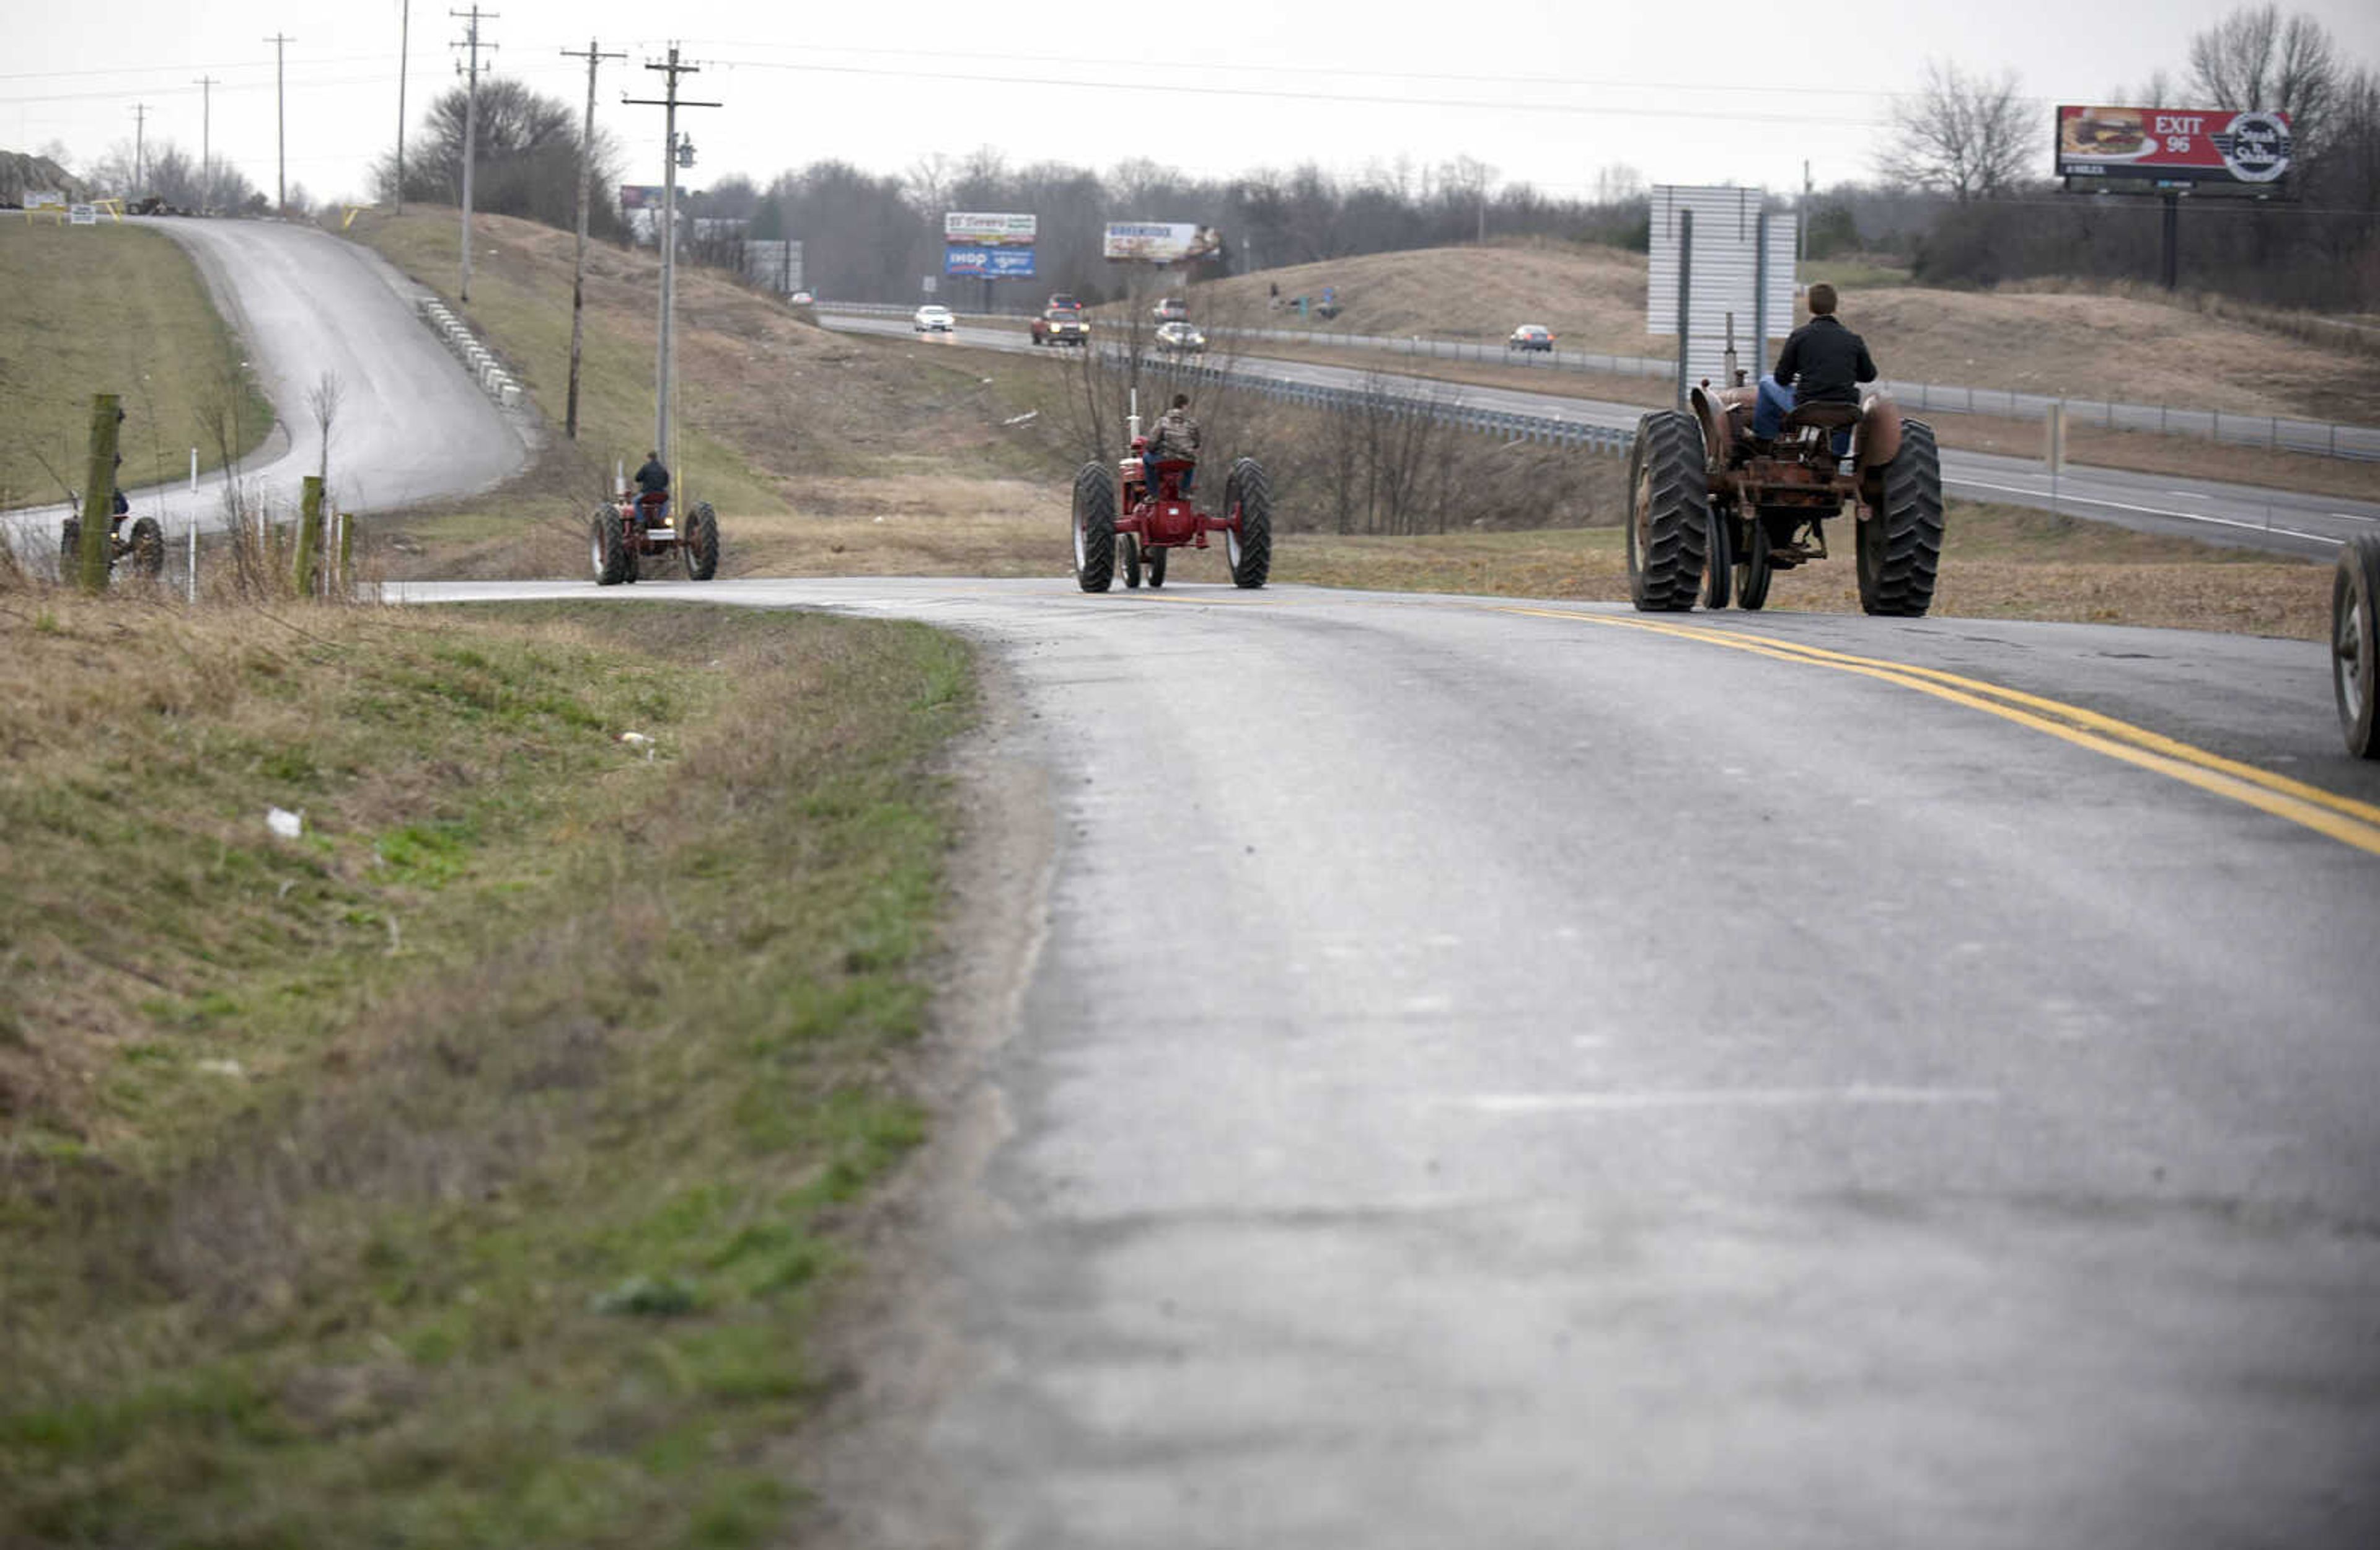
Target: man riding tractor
(1823,362)
(652,491)
(1174,439)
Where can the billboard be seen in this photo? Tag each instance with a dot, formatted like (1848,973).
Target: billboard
(974,229)
(45,198)
(1740,277)
(988,263)
(2173,144)
(1160,242)
(641,196)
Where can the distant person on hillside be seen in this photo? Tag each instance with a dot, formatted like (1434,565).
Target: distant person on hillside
(1175,437)
(1823,362)
(653,479)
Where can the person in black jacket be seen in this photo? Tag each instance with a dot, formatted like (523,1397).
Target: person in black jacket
(1823,362)
(653,479)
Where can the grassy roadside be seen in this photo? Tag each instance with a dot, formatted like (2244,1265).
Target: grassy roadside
(120,309)
(470,1169)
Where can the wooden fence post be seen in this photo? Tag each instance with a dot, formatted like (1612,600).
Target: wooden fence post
(97,547)
(310,538)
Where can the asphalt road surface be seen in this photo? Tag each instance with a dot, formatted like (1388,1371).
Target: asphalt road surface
(2284,522)
(410,426)
(1492,1073)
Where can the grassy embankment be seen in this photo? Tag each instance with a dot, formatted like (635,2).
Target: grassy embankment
(470,1170)
(113,308)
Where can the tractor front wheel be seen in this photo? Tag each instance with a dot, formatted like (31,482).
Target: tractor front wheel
(1130,546)
(699,545)
(2355,645)
(606,551)
(1900,545)
(1156,566)
(148,548)
(1247,548)
(1668,512)
(1754,569)
(1718,569)
(1095,534)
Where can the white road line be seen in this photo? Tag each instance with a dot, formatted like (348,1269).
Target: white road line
(2151,511)
(1717,1097)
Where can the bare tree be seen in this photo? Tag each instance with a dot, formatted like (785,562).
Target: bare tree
(322,400)
(1966,135)
(2253,58)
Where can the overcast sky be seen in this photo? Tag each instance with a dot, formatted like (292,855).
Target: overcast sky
(1546,92)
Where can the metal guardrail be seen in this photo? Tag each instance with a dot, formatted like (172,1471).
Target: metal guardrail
(2273,432)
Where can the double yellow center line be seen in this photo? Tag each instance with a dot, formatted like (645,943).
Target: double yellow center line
(2341,818)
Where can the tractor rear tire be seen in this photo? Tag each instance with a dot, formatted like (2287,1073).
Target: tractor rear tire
(605,549)
(1129,547)
(1900,544)
(1095,534)
(2355,643)
(1157,568)
(71,550)
(147,549)
(699,545)
(1668,512)
(1718,569)
(1247,551)
(1754,570)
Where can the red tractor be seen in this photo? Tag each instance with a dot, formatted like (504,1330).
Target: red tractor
(1156,521)
(1713,509)
(631,526)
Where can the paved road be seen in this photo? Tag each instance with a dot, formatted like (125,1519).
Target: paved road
(2284,522)
(1527,1075)
(411,426)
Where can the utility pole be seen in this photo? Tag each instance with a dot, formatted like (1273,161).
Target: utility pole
(470,129)
(670,164)
(206,85)
(281,123)
(594,56)
(404,50)
(140,128)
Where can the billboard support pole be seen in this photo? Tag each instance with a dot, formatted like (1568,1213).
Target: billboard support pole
(1685,291)
(2172,260)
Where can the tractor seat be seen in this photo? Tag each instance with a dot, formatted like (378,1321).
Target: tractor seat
(1823,416)
(1165,465)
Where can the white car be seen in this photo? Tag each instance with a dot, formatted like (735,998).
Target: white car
(1181,337)
(930,318)
(802,298)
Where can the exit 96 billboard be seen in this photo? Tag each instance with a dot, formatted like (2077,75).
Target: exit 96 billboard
(2190,144)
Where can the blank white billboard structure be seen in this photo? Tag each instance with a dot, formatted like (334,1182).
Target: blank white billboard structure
(1742,257)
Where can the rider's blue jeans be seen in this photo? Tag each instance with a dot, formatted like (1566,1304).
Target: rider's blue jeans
(1769,410)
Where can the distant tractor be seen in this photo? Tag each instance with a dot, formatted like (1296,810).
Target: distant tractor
(1153,523)
(2355,643)
(632,527)
(145,547)
(1712,511)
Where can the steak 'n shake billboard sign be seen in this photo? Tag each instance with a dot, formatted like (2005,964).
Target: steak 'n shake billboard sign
(2195,145)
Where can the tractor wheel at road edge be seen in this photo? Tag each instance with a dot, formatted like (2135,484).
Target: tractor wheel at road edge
(699,545)
(1754,569)
(1095,534)
(1247,550)
(69,549)
(2355,643)
(148,548)
(1129,547)
(1156,566)
(1718,566)
(605,551)
(1668,512)
(1900,544)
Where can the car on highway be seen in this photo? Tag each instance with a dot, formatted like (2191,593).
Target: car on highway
(1171,309)
(1180,338)
(1531,336)
(802,298)
(1062,302)
(1062,326)
(931,318)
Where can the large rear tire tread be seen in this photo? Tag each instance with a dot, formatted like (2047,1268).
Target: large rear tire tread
(1248,553)
(2355,643)
(1901,546)
(1668,512)
(1095,534)
(700,544)
(71,550)
(147,549)
(606,552)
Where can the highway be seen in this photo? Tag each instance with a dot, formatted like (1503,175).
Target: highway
(1466,1072)
(410,424)
(2283,522)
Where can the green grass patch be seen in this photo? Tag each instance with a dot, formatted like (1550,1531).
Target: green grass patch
(120,309)
(470,1170)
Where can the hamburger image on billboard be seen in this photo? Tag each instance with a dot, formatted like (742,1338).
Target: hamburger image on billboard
(2190,144)
(1160,242)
